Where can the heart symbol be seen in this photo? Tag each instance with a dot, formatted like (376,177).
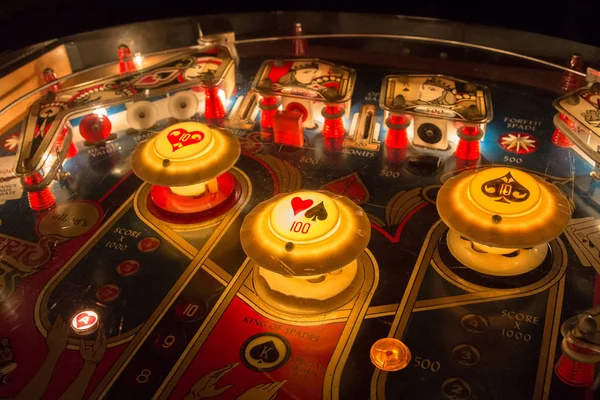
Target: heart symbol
(299,205)
(150,79)
(148,244)
(127,267)
(107,292)
(180,138)
(86,320)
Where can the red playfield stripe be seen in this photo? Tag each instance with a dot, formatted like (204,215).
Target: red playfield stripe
(112,189)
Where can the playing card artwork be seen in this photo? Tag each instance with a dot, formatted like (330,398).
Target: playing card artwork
(436,95)
(584,236)
(582,106)
(306,78)
(591,115)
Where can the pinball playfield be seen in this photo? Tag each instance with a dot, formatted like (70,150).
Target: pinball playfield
(237,224)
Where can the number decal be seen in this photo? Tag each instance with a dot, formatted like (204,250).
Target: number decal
(298,226)
(190,310)
(513,160)
(143,376)
(389,174)
(309,160)
(427,364)
(168,342)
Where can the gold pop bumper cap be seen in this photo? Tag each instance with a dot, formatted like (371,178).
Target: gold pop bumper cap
(503,207)
(305,233)
(185,154)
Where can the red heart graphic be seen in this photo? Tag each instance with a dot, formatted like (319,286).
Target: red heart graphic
(148,244)
(107,292)
(180,138)
(85,319)
(300,205)
(128,267)
(150,79)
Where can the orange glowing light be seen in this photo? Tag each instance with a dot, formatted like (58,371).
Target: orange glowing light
(184,141)
(85,322)
(508,182)
(305,217)
(503,207)
(390,354)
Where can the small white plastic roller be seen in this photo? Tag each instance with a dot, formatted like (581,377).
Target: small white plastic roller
(183,105)
(142,115)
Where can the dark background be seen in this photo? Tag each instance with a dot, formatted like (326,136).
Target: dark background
(24,22)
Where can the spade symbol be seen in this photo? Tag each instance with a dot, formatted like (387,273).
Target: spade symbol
(317,212)
(505,189)
(265,352)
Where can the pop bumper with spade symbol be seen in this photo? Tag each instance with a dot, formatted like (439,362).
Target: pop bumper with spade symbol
(501,219)
(305,247)
(188,165)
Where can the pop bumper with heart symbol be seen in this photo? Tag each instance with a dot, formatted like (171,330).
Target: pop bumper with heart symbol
(188,165)
(305,247)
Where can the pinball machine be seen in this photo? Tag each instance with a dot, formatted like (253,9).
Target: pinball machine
(262,207)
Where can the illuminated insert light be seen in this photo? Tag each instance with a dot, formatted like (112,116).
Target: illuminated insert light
(85,322)
(198,189)
(317,287)
(184,143)
(48,164)
(223,97)
(304,217)
(505,182)
(390,354)
(483,248)
(138,60)
(100,112)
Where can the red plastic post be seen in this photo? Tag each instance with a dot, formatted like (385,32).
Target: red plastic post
(333,125)
(213,106)
(126,63)
(50,76)
(574,373)
(559,138)
(397,138)
(468,144)
(268,106)
(569,80)
(42,199)
(395,155)
(300,45)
